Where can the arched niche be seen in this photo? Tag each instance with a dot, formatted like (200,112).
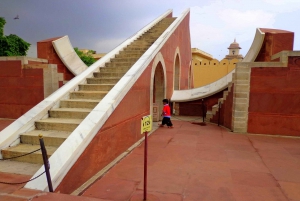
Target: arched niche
(158,86)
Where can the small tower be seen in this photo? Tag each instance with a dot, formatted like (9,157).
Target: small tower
(234,51)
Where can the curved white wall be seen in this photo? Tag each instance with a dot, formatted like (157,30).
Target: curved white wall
(219,85)
(68,56)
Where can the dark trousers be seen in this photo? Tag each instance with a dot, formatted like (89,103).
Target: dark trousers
(166,120)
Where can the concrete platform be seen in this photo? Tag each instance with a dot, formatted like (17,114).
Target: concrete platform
(194,162)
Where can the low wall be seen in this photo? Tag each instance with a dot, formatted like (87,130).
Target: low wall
(194,108)
(24,82)
(274,92)
(226,111)
(274,100)
(21,89)
(46,50)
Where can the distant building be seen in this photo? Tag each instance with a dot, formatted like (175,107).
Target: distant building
(207,70)
(234,51)
(200,55)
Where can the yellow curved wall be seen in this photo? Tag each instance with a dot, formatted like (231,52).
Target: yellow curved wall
(208,71)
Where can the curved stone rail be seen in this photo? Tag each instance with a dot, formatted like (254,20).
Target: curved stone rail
(221,84)
(68,56)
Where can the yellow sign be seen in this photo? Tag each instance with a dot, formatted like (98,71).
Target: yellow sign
(146,124)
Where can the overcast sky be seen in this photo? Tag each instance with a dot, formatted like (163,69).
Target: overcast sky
(103,24)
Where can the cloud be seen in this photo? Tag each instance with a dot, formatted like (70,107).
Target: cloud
(214,26)
(104,46)
(237,20)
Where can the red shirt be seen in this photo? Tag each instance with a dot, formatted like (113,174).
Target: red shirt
(166,111)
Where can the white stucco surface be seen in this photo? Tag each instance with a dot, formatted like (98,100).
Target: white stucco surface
(68,56)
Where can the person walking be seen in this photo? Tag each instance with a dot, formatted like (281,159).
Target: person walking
(166,114)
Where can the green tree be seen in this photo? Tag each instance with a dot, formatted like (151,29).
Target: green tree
(87,58)
(11,45)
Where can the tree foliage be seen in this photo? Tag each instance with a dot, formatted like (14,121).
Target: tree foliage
(11,45)
(87,58)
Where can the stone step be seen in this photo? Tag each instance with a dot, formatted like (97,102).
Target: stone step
(123,60)
(51,138)
(16,167)
(79,103)
(21,149)
(71,113)
(131,55)
(132,47)
(146,42)
(157,31)
(109,74)
(119,64)
(215,108)
(57,124)
(95,87)
(102,80)
(88,94)
(150,38)
(209,115)
(114,69)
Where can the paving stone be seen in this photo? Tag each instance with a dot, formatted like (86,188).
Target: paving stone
(64,197)
(291,190)
(12,178)
(111,189)
(256,179)
(250,193)
(11,198)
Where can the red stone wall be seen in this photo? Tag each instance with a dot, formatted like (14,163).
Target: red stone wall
(274,100)
(226,108)
(122,129)
(275,41)
(21,89)
(194,108)
(182,40)
(45,50)
(226,111)
(275,92)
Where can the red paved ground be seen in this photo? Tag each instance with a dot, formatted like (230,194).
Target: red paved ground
(198,163)
(195,163)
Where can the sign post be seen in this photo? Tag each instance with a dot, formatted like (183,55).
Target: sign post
(146,126)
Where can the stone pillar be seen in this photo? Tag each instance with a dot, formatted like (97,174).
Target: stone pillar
(241,97)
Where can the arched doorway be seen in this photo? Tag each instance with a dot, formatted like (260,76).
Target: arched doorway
(176,79)
(177,73)
(158,86)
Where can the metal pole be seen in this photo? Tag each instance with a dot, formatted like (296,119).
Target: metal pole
(46,163)
(145,166)
(219,110)
(203,109)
